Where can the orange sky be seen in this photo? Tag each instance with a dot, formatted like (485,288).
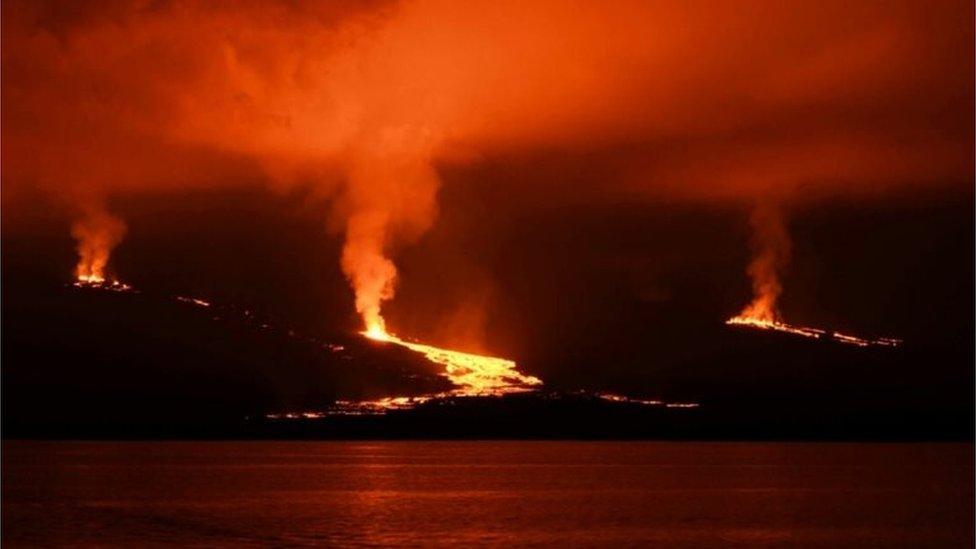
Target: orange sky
(366,102)
(737,95)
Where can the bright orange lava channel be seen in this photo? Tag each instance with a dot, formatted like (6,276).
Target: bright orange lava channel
(474,375)
(99,282)
(762,324)
(815,333)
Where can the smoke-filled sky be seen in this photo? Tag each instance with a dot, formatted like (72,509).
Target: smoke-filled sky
(503,175)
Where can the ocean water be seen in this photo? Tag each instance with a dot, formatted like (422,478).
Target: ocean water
(615,494)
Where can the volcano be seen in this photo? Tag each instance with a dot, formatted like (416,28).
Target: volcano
(98,361)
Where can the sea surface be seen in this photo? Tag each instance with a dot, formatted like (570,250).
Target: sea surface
(615,494)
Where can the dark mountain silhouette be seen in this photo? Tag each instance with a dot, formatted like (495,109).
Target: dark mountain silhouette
(91,363)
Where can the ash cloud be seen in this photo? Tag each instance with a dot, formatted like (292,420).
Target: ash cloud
(365,102)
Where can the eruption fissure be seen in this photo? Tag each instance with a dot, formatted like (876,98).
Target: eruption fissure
(772,248)
(97,233)
(473,375)
(376,92)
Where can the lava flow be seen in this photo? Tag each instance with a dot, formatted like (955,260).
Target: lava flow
(772,245)
(474,375)
(814,333)
(100,283)
(763,324)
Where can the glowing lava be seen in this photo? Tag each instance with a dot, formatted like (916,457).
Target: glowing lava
(474,375)
(97,233)
(91,279)
(377,332)
(771,244)
(193,301)
(100,283)
(764,324)
(814,333)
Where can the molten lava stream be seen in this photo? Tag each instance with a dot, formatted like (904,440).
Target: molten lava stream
(815,333)
(99,282)
(474,375)
(763,324)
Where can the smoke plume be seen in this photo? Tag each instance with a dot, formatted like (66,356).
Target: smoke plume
(366,103)
(97,233)
(391,199)
(771,246)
